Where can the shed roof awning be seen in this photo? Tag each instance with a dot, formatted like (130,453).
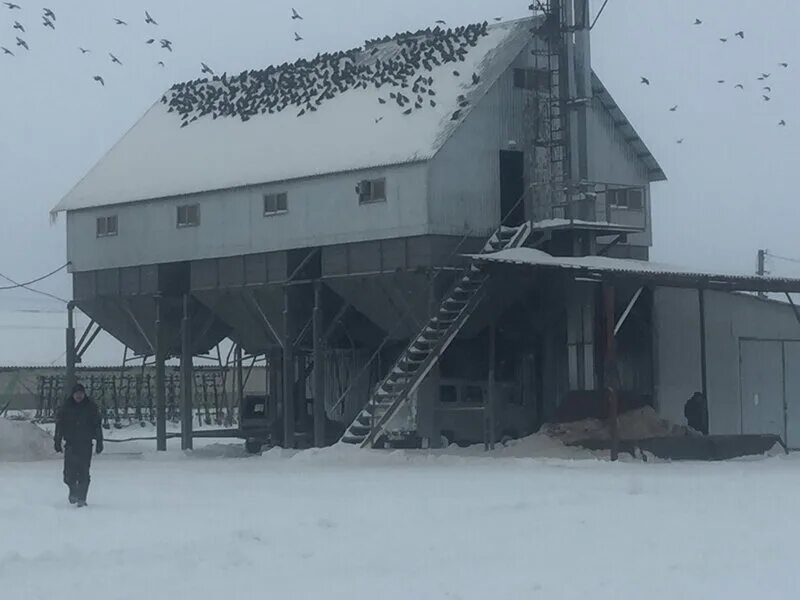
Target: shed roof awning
(603,268)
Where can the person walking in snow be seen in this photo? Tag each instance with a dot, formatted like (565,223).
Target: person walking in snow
(77,425)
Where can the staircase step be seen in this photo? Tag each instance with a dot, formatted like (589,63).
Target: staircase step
(359,430)
(353,440)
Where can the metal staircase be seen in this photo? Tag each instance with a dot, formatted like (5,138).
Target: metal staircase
(416,361)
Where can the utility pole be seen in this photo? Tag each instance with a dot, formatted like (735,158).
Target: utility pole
(761,270)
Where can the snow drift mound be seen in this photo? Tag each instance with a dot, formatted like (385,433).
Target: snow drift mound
(22,440)
(638,424)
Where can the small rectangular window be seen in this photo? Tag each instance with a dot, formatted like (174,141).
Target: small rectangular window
(189,215)
(631,198)
(531,79)
(635,199)
(371,190)
(275,204)
(107,226)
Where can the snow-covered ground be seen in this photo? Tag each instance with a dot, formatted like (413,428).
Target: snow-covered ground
(345,523)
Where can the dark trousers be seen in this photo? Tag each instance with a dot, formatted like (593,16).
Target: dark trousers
(77,461)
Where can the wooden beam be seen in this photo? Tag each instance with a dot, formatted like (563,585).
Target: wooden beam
(319,368)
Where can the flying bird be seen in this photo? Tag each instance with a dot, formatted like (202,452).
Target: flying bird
(12,6)
(22,43)
(161,63)
(296,15)
(18,25)
(114,59)
(297,37)
(379,119)
(698,22)
(207,69)
(739,86)
(83,50)
(99,80)
(723,40)
(475,79)
(49,14)
(767,88)
(120,22)
(441,22)
(645,81)
(674,108)
(6,51)
(456,73)
(498,19)
(148,19)
(740,34)
(166,44)
(48,23)
(785,65)
(766,98)
(720,81)
(782,123)
(680,141)
(150,41)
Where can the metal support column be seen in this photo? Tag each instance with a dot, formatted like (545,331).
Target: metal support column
(491,406)
(610,372)
(239,364)
(288,373)
(71,355)
(161,389)
(187,377)
(319,368)
(701,297)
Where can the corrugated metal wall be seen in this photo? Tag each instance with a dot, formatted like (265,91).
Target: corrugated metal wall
(731,319)
(464,177)
(323,210)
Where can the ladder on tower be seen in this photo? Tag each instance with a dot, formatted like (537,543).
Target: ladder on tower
(424,351)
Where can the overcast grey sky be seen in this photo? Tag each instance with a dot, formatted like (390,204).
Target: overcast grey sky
(730,188)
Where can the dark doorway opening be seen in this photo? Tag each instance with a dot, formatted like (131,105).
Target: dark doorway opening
(512,187)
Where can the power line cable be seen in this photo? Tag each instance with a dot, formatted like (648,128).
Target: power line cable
(786,258)
(602,8)
(18,285)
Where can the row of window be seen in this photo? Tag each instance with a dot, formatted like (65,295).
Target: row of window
(188,215)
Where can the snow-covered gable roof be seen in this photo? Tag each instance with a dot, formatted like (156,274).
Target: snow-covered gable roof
(394,101)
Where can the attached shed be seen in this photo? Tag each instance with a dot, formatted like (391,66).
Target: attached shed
(706,336)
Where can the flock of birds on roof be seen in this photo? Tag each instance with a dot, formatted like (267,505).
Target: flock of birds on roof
(49,21)
(402,67)
(765,87)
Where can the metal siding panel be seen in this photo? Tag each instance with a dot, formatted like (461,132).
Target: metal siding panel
(334,260)
(792,375)
(761,381)
(394,254)
(129,284)
(204,275)
(365,257)
(108,282)
(231,271)
(277,266)
(255,269)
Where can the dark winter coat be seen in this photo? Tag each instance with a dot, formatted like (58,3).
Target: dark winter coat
(78,423)
(696,413)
